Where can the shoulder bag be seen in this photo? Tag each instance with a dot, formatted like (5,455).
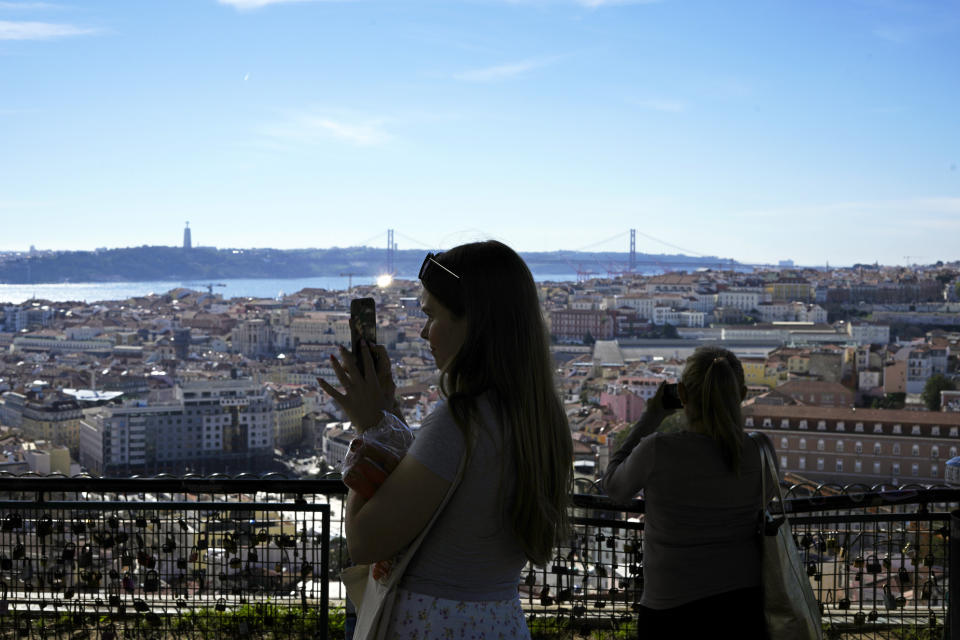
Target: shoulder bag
(789,605)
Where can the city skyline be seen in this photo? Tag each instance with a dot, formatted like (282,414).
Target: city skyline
(820,132)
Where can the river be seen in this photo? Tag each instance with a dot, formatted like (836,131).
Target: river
(233,288)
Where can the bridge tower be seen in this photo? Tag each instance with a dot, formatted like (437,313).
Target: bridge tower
(391,251)
(633,250)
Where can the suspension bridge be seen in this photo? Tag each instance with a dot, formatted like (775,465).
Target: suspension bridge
(602,256)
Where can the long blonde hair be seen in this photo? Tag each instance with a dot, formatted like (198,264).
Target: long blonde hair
(506,353)
(714,384)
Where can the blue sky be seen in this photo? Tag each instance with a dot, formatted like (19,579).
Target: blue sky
(816,130)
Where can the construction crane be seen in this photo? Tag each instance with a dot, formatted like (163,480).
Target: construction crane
(349,275)
(211,285)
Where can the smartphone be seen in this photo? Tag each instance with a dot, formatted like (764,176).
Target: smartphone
(363,326)
(671,396)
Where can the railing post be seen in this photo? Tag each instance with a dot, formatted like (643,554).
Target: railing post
(324,569)
(952,630)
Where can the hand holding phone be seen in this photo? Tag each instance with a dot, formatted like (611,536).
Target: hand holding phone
(363,327)
(671,397)
(362,396)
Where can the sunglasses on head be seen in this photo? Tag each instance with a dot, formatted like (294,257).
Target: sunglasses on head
(428,264)
(442,282)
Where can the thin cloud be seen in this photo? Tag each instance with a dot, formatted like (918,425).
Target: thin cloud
(504,71)
(896,35)
(596,4)
(249,5)
(18,205)
(931,26)
(316,129)
(591,4)
(667,106)
(28,5)
(40,30)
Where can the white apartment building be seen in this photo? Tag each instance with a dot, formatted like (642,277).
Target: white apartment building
(60,345)
(82,332)
(334,442)
(15,319)
(705,302)
(744,299)
(220,425)
(585,302)
(666,315)
(643,305)
(324,327)
(869,379)
(923,362)
(792,312)
(869,333)
(773,311)
(12,405)
(678,283)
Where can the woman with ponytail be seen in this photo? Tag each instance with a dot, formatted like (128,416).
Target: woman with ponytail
(502,420)
(701,487)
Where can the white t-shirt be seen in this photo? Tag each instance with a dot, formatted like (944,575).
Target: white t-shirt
(471,552)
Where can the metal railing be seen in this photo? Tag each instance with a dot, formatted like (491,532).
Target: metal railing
(879,562)
(165,557)
(249,557)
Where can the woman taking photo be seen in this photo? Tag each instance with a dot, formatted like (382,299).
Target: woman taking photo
(502,418)
(702,491)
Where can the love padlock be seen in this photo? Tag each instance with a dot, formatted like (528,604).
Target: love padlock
(559,566)
(903,577)
(12,522)
(44,526)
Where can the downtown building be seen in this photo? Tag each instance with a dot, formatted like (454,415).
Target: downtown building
(206,427)
(47,416)
(843,445)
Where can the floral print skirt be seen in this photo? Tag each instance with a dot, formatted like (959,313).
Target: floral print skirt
(424,617)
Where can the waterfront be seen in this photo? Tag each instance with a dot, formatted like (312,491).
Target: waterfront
(234,288)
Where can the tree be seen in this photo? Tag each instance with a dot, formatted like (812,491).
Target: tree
(670,331)
(588,338)
(889,401)
(931,391)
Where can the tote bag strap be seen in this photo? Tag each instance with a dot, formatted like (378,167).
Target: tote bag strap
(763,469)
(397,570)
(768,473)
(374,611)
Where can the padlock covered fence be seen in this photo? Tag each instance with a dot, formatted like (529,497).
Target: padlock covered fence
(208,557)
(258,557)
